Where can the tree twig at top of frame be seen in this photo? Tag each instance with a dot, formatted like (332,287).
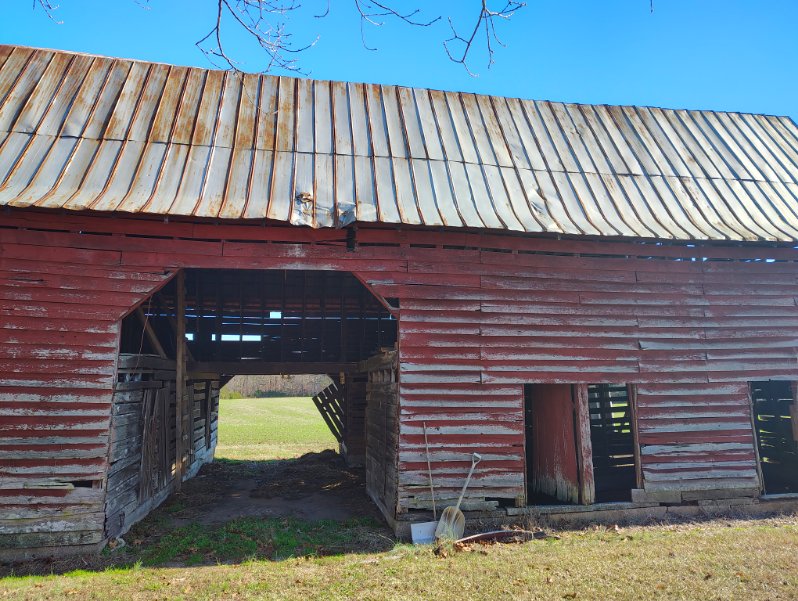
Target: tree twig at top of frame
(370,10)
(257,18)
(267,21)
(49,9)
(485,23)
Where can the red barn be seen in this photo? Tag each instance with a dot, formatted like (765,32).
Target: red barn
(601,301)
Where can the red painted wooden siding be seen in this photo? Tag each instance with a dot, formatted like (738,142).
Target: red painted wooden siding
(480,316)
(689,326)
(59,317)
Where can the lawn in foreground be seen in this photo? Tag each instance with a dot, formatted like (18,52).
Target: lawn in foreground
(721,559)
(285,558)
(271,428)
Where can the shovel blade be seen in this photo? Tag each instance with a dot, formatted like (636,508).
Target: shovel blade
(452,524)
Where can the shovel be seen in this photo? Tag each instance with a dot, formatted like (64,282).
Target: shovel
(452,524)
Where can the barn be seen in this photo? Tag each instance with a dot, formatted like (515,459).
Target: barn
(601,301)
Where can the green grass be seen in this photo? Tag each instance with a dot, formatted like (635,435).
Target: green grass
(270,428)
(286,558)
(257,538)
(721,559)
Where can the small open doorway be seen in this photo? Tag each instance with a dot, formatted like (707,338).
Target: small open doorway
(580,443)
(775,417)
(612,440)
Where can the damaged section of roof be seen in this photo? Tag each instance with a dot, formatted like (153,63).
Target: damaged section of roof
(83,132)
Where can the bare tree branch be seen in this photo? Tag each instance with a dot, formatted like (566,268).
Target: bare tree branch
(485,23)
(263,20)
(268,23)
(371,9)
(49,9)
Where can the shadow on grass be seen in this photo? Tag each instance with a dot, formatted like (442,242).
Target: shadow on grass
(258,538)
(236,511)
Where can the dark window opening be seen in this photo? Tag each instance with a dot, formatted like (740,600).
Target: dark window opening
(612,439)
(86,483)
(775,414)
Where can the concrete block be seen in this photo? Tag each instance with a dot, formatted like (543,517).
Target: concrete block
(726,503)
(664,496)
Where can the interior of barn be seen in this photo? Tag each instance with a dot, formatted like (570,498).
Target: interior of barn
(207,326)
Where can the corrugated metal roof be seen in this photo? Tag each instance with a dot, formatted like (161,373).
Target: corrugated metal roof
(92,133)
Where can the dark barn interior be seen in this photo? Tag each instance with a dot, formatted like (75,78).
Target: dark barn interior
(268,321)
(612,441)
(776,425)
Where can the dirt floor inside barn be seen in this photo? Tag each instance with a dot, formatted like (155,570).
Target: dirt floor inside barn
(316,486)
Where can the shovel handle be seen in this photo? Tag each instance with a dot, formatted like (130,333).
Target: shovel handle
(429,471)
(475,458)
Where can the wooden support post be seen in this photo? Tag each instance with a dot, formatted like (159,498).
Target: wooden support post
(151,336)
(584,446)
(794,410)
(180,377)
(631,391)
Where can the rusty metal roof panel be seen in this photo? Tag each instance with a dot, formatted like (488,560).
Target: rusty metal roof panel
(83,132)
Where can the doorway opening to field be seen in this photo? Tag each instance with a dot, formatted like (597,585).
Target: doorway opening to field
(284,350)
(271,417)
(775,416)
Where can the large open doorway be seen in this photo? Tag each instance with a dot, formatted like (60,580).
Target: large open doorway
(199,332)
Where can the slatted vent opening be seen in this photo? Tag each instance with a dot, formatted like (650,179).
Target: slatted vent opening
(613,441)
(330,402)
(775,421)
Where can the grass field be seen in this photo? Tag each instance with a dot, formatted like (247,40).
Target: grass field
(717,560)
(286,558)
(271,428)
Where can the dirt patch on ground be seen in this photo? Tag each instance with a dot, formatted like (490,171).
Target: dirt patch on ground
(315,486)
(311,473)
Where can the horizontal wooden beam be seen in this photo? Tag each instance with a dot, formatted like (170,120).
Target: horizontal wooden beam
(269,368)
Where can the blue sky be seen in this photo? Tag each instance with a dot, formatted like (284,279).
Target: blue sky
(737,55)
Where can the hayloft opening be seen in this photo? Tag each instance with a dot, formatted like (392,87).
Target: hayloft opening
(775,415)
(270,321)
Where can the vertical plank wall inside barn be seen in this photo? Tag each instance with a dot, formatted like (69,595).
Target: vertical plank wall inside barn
(142,451)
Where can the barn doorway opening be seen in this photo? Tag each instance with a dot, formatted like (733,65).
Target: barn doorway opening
(208,326)
(775,415)
(264,418)
(580,444)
